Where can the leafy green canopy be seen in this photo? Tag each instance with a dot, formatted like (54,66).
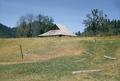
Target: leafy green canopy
(29,26)
(98,24)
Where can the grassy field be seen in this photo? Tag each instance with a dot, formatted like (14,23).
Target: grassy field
(54,59)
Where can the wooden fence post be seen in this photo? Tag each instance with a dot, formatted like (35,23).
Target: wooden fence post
(22,56)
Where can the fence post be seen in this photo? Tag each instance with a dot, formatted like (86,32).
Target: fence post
(22,56)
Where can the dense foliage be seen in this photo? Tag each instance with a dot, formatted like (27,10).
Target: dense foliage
(30,26)
(98,24)
(6,32)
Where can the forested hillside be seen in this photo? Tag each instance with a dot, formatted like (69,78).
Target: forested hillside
(7,32)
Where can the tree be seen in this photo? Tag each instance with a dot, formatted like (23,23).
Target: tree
(29,27)
(44,24)
(115,27)
(21,28)
(95,22)
(78,33)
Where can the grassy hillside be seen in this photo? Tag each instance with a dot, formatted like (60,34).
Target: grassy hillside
(54,59)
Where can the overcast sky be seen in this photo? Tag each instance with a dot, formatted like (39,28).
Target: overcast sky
(67,12)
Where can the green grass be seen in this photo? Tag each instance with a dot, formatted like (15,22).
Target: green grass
(54,70)
(73,54)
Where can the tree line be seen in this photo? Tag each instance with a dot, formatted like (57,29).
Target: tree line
(28,26)
(97,23)
(31,26)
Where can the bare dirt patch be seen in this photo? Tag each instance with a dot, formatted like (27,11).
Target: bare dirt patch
(30,58)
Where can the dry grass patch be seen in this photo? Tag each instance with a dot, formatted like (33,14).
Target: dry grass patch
(36,49)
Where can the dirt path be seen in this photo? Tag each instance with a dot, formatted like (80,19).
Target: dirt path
(11,63)
(32,58)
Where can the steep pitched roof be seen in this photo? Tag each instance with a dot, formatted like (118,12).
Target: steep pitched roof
(62,31)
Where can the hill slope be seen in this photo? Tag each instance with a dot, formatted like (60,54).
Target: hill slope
(6,32)
(54,59)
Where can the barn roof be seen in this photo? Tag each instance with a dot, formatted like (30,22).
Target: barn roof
(61,31)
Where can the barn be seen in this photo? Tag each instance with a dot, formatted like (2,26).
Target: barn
(61,31)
